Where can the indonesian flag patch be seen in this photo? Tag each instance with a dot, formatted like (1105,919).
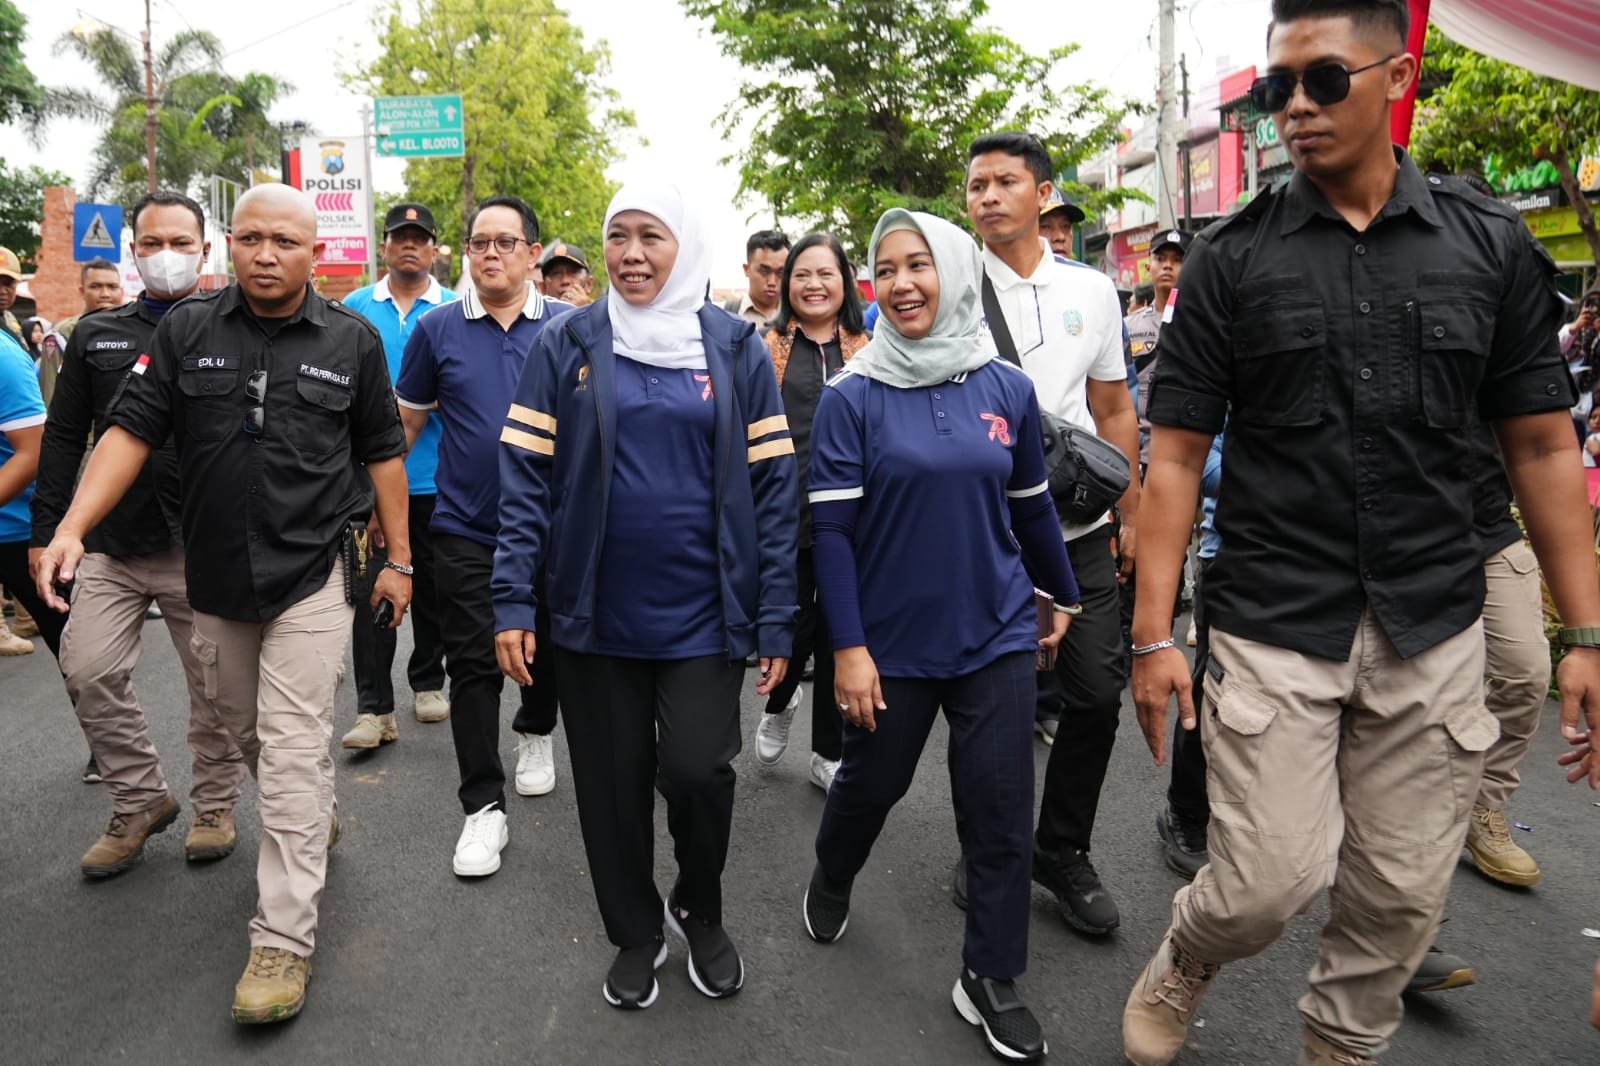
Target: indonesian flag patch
(142,363)
(1171,308)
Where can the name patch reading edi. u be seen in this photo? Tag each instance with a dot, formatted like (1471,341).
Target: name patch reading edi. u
(320,374)
(211,362)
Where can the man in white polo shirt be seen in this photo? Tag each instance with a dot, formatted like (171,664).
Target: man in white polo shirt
(1065,323)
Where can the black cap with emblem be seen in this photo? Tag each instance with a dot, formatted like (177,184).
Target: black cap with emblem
(1172,238)
(402,215)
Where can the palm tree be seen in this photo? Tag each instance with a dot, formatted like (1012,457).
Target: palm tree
(207,122)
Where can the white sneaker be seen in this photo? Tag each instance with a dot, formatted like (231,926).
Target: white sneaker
(772,735)
(822,771)
(482,839)
(536,764)
(1193,637)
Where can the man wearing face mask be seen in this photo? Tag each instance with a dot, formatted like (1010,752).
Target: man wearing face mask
(134,558)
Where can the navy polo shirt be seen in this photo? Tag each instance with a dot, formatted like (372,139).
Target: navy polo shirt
(659,592)
(943,591)
(460,358)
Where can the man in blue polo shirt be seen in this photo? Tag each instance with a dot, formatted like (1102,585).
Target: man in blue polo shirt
(393,305)
(466,359)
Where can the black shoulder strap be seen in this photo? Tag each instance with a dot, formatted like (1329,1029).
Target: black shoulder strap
(997,323)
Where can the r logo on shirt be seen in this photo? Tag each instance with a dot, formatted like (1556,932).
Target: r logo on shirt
(998,429)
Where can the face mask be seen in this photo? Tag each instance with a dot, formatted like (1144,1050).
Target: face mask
(169,273)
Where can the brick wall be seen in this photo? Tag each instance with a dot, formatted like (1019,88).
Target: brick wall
(55,285)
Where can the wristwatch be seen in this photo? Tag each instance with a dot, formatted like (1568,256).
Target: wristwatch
(399,568)
(1578,636)
(1071,610)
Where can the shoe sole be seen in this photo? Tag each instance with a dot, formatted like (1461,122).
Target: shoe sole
(93,779)
(1455,979)
(655,986)
(973,1016)
(357,745)
(100,873)
(1171,845)
(541,791)
(694,974)
(431,717)
(1504,876)
(208,854)
(487,868)
(805,912)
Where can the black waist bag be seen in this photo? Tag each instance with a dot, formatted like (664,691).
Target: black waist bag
(1087,473)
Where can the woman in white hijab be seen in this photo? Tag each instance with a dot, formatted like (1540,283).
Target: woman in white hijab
(929,492)
(664,512)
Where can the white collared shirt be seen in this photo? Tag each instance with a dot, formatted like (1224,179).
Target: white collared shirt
(472,306)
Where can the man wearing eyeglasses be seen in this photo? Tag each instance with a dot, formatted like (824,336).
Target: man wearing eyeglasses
(465,359)
(272,396)
(1354,328)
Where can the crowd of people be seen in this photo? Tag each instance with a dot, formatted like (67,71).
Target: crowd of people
(1370,660)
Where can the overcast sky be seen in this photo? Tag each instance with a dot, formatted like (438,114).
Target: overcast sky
(667,70)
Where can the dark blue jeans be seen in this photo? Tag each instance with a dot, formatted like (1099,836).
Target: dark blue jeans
(990,712)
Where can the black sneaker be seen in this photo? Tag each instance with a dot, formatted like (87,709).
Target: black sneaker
(1439,971)
(631,983)
(714,963)
(1085,903)
(91,773)
(958,883)
(1185,843)
(827,907)
(1009,1028)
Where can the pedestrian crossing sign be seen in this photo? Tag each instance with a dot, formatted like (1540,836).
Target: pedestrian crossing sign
(95,232)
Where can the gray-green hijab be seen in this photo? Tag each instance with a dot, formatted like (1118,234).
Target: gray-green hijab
(959,341)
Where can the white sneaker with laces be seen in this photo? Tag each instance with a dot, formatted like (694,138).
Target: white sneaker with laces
(822,771)
(772,735)
(482,839)
(536,764)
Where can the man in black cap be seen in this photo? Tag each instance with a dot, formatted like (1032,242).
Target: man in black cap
(566,274)
(393,305)
(1056,221)
(1144,325)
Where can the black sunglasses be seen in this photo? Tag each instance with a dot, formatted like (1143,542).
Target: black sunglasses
(255,388)
(1325,83)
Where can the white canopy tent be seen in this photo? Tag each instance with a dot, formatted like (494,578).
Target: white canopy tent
(1558,38)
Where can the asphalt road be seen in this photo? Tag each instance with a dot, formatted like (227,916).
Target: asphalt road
(416,966)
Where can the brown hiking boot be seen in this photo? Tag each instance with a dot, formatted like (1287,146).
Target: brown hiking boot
(23,624)
(123,843)
(1495,853)
(1316,1051)
(371,730)
(273,988)
(1156,1018)
(211,836)
(11,644)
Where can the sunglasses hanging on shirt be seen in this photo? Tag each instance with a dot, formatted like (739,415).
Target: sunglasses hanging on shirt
(1325,84)
(255,389)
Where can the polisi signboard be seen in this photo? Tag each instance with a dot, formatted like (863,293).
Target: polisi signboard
(333,172)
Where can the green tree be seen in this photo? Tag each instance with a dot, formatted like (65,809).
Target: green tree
(851,107)
(540,121)
(1474,109)
(19,93)
(22,208)
(207,122)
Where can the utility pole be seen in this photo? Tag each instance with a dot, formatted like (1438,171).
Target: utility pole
(1167,120)
(1188,175)
(149,104)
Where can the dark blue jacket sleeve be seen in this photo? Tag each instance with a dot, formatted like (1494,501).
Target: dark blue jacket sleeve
(527,474)
(774,484)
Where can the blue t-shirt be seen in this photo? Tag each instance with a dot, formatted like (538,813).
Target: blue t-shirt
(659,583)
(376,305)
(460,358)
(21,407)
(943,591)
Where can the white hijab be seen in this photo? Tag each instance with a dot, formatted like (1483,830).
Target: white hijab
(666,332)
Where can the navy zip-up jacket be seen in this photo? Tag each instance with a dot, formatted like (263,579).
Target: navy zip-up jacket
(556,455)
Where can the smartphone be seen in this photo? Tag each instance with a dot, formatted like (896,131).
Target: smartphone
(384,615)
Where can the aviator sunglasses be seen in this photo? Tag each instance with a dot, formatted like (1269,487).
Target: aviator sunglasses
(255,390)
(1325,83)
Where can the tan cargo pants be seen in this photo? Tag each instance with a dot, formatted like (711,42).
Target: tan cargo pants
(100,649)
(1356,778)
(274,685)
(1517,669)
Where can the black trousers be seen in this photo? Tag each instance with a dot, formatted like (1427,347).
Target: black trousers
(466,618)
(373,649)
(1092,666)
(990,712)
(14,576)
(811,637)
(1186,793)
(672,725)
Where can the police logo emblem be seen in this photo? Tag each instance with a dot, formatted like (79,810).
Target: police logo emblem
(1073,321)
(332,157)
(411,214)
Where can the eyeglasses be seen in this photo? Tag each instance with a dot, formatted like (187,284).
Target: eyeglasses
(503,245)
(1325,83)
(255,388)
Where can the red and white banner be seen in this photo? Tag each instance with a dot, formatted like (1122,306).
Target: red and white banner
(333,170)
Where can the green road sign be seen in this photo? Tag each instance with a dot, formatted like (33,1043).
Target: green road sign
(419,125)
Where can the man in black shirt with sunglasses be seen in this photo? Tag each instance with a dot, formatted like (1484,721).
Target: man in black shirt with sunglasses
(272,395)
(1354,328)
